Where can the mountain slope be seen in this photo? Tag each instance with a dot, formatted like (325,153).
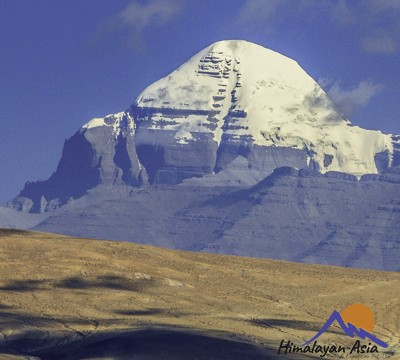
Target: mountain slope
(65,298)
(255,97)
(236,107)
(11,219)
(298,215)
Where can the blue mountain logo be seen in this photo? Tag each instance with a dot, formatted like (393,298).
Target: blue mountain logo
(356,320)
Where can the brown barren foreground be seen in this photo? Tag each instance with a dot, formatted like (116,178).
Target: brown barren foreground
(79,299)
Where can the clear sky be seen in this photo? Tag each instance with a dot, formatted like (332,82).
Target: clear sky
(64,62)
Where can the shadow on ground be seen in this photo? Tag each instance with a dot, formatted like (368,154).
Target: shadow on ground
(149,344)
(155,344)
(11,232)
(159,342)
(293,324)
(78,283)
(33,338)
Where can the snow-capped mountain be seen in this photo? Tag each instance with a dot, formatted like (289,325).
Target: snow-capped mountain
(233,106)
(239,92)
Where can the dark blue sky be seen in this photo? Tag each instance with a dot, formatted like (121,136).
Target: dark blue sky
(64,62)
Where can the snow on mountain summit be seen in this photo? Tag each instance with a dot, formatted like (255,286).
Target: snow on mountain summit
(210,77)
(229,116)
(255,94)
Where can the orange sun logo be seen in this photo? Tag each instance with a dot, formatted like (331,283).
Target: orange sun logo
(355,320)
(360,316)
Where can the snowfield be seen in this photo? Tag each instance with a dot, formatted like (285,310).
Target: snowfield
(240,91)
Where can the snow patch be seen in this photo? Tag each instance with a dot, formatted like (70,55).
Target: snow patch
(96,122)
(122,121)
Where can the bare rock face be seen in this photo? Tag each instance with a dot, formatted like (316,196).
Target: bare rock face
(396,150)
(92,156)
(234,110)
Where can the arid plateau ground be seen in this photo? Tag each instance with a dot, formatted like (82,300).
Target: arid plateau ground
(66,298)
